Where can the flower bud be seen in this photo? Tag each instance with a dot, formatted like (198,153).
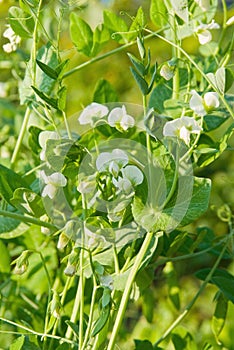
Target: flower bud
(21,263)
(70,270)
(63,241)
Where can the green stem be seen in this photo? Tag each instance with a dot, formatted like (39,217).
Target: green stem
(91,312)
(192,302)
(36,333)
(175,178)
(21,136)
(105,55)
(82,286)
(127,290)
(116,261)
(231,112)
(27,219)
(75,311)
(67,125)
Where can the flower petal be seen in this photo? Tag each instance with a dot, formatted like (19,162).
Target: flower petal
(185,135)
(57,179)
(196,104)
(47,135)
(115,116)
(172,128)
(92,112)
(132,173)
(204,37)
(49,190)
(211,100)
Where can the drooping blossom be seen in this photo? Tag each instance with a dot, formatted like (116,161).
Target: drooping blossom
(182,128)
(14,40)
(203,31)
(119,119)
(92,113)
(203,105)
(52,183)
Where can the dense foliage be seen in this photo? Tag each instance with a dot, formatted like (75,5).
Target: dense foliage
(103,180)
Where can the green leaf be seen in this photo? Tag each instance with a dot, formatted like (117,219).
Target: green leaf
(143,345)
(218,79)
(49,101)
(182,339)
(101,36)
(10,228)
(173,108)
(219,317)
(9,182)
(74,327)
(181,9)
(137,64)
(226,285)
(81,35)
(137,25)
(212,122)
(188,203)
(159,95)
(229,79)
(34,132)
(18,343)
(140,81)
(116,26)
(158,13)
(222,279)
(104,92)
(172,283)
(5,258)
(48,70)
(62,98)
(44,83)
(28,202)
(139,21)
(206,159)
(21,23)
(106,297)
(61,67)
(101,321)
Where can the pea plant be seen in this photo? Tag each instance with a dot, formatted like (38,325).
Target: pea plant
(97,203)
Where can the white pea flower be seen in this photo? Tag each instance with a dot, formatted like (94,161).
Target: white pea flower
(13,38)
(119,118)
(88,185)
(230,21)
(204,4)
(111,161)
(203,31)
(52,183)
(132,176)
(202,106)
(43,137)
(182,127)
(123,184)
(92,113)
(167,71)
